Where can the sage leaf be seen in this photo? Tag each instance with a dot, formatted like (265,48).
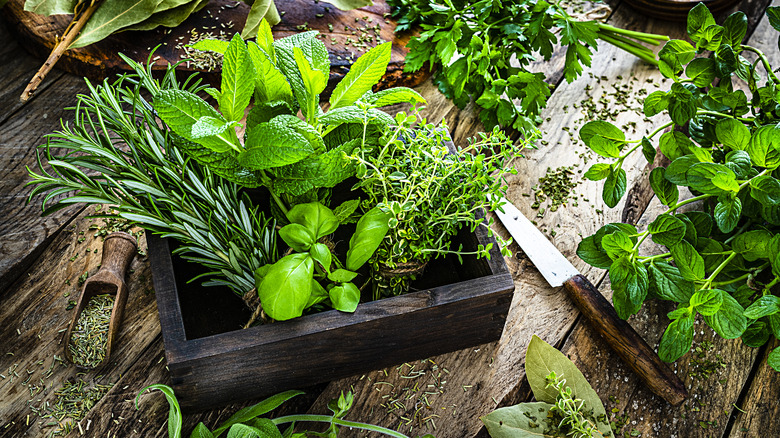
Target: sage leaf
(363,74)
(285,289)
(369,233)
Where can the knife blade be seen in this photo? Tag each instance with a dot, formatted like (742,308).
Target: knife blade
(618,333)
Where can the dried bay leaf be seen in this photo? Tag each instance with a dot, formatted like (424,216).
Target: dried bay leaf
(171,17)
(260,9)
(50,7)
(112,16)
(525,420)
(346,5)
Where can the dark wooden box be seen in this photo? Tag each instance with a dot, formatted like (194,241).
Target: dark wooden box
(212,364)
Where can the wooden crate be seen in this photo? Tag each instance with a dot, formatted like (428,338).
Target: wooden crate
(465,306)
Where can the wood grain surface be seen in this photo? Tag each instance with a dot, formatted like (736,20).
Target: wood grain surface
(340,31)
(733,390)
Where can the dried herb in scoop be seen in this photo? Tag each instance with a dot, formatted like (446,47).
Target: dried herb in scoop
(90,336)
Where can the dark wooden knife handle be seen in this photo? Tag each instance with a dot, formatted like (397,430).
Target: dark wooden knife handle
(626,342)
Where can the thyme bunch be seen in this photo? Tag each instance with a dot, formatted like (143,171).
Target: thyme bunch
(569,408)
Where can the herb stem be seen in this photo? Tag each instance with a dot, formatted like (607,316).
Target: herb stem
(645,259)
(741,277)
(660,128)
(708,283)
(331,420)
(764,60)
(642,54)
(687,201)
(650,38)
(717,114)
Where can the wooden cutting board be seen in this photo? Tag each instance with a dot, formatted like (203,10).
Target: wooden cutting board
(38,33)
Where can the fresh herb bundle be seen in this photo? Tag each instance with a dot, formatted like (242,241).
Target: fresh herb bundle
(723,262)
(482,50)
(567,405)
(299,161)
(430,193)
(248,422)
(116,153)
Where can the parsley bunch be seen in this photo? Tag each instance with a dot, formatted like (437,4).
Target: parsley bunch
(723,262)
(482,49)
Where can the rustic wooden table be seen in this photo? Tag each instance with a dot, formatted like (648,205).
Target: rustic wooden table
(733,390)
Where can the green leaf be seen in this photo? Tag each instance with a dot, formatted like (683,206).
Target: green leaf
(765,190)
(313,80)
(342,276)
(602,129)
(733,134)
(598,171)
(541,359)
(667,283)
(752,245)
(271,85)
(169,14)
(764,306)
(688,261)
(589,251)
(201,431)
(682,106)
(617,244)
(317,218)
(345,297)
(320,253)
(261,408)
(676,172)
(774,359)
(736,29)
(772,12)
(238,76)
(674,144)
(272,145)
(218,46)
(174,411)
(208,126)
(707,301)
(50,7)
(348,5)
(677,339)
(655,102)
(263,13)
(764,147)
(729,322)
(363,74)
(648,150)
(727,213)
(243,431)
(701,71)
(673,55)
(392,96)
(353,114)
(522,420)
(614,187)
(666,192)
(667,230)
(370,231)
(345,210)
(739,162)
(700,177)
(630,285)
(286,287)
(699,19)
(180,110)
(318,293)
(111,17)
(297,237)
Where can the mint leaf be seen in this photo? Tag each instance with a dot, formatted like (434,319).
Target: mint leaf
(598,171)
(629,283)
(699,19)
(655,102)
(238,78)
(764,306)
(270,145)
(765,190)
(674,144)
(753,245)
(666,192)
(707,301)
(363,74)
(764,147)
(677,339)
(589,251)
(314,82)
(701,71)
(667,283)
(392,96)
(688,261)
(667,230)
(614,187)
(217,46)
(270,83)
(208,126)
(729,321)
(180,110)
(700,177)
(733,134)
(727,213)
(617,244)
(774,359)
(736,29)
(602,129)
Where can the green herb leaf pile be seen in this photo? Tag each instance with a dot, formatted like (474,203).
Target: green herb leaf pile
(482,50)
(723,262)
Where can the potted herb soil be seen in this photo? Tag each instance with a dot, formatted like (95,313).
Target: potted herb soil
(269,214)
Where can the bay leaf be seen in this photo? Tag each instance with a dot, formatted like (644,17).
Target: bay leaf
(50,7)
(260,9)
(346,5)
(171,17)
(113,15)
(526,420)
(541,359)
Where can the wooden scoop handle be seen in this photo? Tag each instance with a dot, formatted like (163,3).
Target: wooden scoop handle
(626,342)
(118,251)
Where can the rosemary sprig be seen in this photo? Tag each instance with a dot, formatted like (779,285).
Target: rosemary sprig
(116,152)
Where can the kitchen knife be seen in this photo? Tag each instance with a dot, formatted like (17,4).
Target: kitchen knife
(626,342)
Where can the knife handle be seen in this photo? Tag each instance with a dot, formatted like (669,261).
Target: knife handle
(626,342)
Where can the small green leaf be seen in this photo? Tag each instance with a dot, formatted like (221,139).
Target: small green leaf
(729,321)
(666,192)
(180,110)
(667,230)
(701,71)
(201,431)
(727,213)
(753,245)
(297,237)
(765,190)
(271,145)
(764,147)
(707,301)
(674,144)
(677,339)
(630,285)
(320,253)
(285,289)
(655,102)
(667,283)
(522,420)
(602,129)
(316,217)
(774,359)
(688,261)
(598,171)
(764,306)
(614,187)
(345,297)
(342,276)
(733,134)
(238,78)
(700,177)
(648,150)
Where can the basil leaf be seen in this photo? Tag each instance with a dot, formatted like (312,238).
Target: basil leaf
(316,217)
(286,287)
(342,276)
(297,237)
(321,253)
(369,233)
(256,410)
(345,297)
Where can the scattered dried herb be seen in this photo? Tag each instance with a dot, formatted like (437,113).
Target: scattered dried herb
(556,187)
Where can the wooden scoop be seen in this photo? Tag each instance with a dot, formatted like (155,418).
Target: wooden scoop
(119,248)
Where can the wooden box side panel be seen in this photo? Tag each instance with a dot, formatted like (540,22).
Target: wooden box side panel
(327,354)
